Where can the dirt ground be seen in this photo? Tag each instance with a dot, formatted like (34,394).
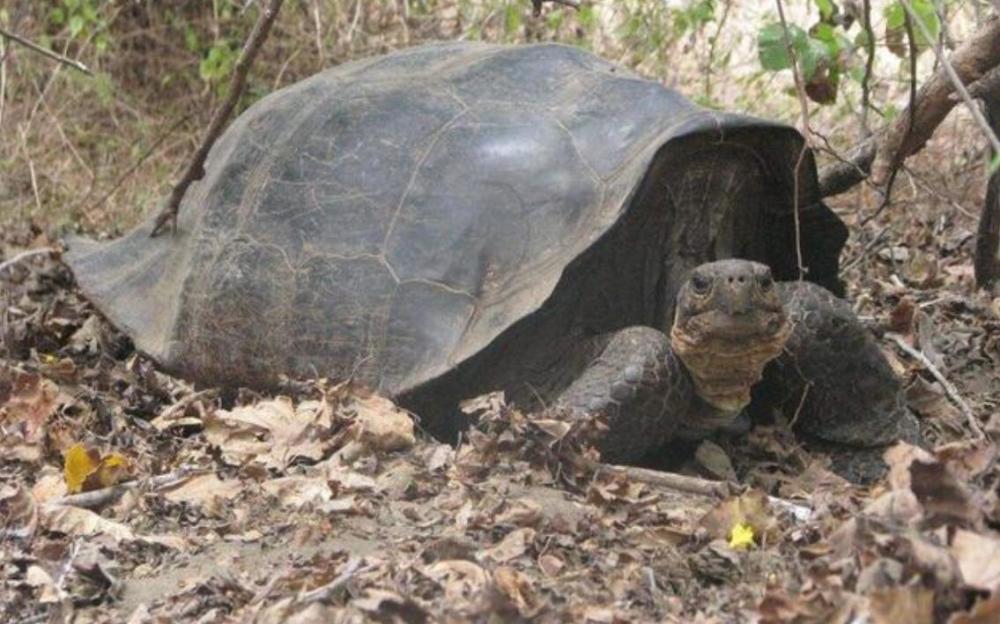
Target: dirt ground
(129,495)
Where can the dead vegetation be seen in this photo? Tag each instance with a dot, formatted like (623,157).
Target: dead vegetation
(328,504)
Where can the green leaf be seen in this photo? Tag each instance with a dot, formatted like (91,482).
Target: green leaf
(895,22)
(994,164)
(771,49)
(57,16)
(825,8)
(76,25)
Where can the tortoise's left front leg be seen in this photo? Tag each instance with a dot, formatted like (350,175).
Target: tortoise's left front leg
(833,382)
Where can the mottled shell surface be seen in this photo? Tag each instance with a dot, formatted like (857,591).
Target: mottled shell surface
(391,217)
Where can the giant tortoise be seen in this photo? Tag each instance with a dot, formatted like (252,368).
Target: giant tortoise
(458,218)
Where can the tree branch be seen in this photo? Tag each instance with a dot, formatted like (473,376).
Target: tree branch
(196,169)
(31,45)
(970,62)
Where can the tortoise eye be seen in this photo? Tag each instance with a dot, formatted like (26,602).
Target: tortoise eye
(700,284)
(765,281)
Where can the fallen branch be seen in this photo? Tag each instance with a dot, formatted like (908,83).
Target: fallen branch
(31,45)
(672,481)
(105,496)
(323,594)
(696,485)
(970,62)
(196,168)
(949,389)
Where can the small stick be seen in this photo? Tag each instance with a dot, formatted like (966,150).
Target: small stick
(949,389)
(104,496)
(196,168)
(77,65)
(672,480)
(324,593)
(24,255)
(702,487)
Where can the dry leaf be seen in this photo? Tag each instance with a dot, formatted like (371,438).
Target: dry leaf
(512,546)
(894,605)
(978,557)
(298,492)
(24,411)
(274,432)
(207,491)
(380,425)
(517,588)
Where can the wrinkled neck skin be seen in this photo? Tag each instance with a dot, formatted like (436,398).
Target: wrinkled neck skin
(724,367)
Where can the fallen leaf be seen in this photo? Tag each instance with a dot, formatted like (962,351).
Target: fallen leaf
(984,612)
(512,546)
(978,558)
(517,588)
(894,605)
(274,432)
(207,491)
(380,425)
(299,492)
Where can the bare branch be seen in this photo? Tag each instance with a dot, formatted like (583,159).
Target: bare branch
(892,152)
(31,45)
(949,389)
(196,168)
(970,62)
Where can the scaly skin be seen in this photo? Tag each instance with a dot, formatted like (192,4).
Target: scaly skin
(731,321)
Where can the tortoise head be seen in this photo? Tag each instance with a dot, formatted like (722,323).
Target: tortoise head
(728,324)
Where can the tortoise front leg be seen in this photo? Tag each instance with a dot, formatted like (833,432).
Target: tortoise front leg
(833,382)
(640,388)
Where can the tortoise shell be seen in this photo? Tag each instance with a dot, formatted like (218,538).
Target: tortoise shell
(390,218)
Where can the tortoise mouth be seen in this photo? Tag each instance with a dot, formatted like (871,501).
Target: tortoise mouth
(726,353)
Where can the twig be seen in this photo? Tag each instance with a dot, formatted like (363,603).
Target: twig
(869,65)
(672,481)
(77,65)
(3,79)
(804,105)
(24,255)
(911,109)
(104,496)
(196,169)
(949,389)
(134,166)
(695,485)
(331,589)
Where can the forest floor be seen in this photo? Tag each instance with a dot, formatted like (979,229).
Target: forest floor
(325,503)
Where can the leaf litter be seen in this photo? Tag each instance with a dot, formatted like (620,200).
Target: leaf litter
(129,495)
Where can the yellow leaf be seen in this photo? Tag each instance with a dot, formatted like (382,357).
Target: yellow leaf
(741,537)
(79,464)
(114,469)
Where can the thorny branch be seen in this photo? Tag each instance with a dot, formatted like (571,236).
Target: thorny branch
(196,169)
